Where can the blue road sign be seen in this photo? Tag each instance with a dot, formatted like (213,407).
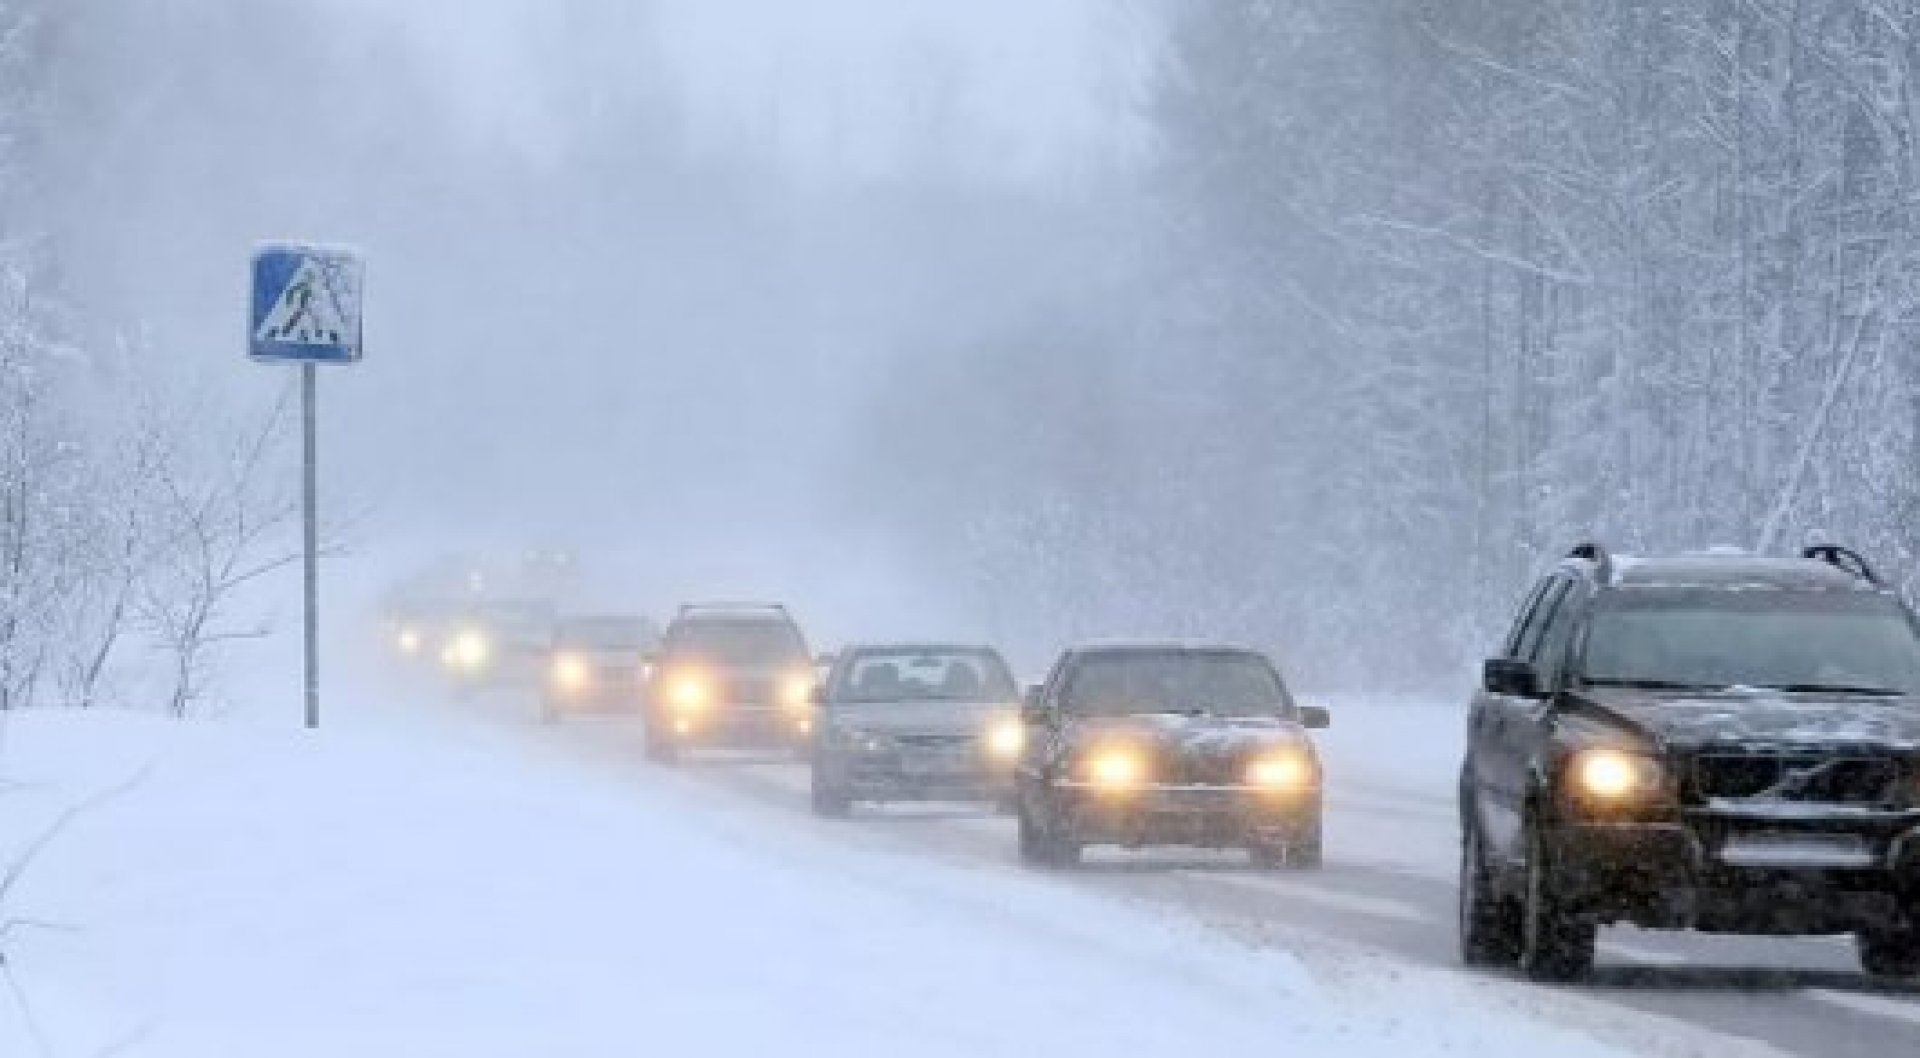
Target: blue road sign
(306,305)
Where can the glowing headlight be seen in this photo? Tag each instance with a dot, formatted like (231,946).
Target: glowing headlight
(469,650)
(1116,769)
(408,640)
(796,692)
(1283,772)
(571,672)
(1006,738)
(689,693)
(1616,775)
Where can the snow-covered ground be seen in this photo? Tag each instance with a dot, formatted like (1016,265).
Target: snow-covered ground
(426,885)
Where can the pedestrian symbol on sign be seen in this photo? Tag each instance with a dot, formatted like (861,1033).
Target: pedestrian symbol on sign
(306,305)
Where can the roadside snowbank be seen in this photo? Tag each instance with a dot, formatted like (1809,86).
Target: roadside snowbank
(398,890)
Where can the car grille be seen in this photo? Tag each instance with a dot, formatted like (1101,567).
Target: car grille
(1203,769)
(1807,778)
(749,690)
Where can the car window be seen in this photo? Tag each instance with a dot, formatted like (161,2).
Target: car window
(1550,656)
(1528,647)
(1510,647)
(1229,683)
(932,675)
(607,633)
(737,640)
(1713,639)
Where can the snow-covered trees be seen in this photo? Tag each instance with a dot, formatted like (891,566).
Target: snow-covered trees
(1641,270)
(1436,288)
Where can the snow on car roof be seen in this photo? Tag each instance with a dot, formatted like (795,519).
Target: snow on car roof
(1130,646)
(1729,569)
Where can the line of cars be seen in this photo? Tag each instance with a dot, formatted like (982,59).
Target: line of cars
(1124,744)
(1128,744)
(1717,741)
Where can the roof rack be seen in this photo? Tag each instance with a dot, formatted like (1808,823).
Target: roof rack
(1845,559)
(1595,553)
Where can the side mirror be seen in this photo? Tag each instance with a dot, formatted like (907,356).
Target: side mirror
(826,660)
(1315,718)
(818,695)
(1511,676)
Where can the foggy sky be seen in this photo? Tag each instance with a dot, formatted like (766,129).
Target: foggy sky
(630,267)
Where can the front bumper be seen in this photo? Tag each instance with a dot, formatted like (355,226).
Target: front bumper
(1196,816)
(737,727)
(910,777)
(1745,873)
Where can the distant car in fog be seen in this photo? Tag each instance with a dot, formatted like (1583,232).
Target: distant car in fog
(732,675)
(1149,744)
(915,722)
(1721,742)
(499,644)
(598,664)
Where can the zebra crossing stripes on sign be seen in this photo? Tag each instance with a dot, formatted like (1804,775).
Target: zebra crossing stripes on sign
(306,305)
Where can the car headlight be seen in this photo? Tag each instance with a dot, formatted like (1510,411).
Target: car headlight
(1116,768)
(571,672)
(796,692)
(1006,738)
(469,650)
(1614,776)
(689,693)
(1284,771)
(408,640)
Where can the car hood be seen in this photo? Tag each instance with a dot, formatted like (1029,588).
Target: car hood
(1196,736)
(1761,718)
(916,718)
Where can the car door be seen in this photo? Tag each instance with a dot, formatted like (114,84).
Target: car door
(1506,720)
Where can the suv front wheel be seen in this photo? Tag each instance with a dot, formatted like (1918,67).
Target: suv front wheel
(1893,952)
(1489,922)
(1554,945)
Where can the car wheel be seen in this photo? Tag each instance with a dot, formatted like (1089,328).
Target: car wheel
(661,749)
(1040,845)
(1554,946)
(1489,922)
(1892,953)
(829,801)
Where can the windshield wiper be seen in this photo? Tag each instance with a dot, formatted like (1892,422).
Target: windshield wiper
(1830,688)
(1649,684)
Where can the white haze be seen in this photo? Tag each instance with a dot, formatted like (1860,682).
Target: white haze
(631,267)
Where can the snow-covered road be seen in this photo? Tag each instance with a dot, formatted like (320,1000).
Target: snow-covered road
(433,881)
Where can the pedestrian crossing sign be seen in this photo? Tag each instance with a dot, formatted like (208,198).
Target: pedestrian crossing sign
(306,304)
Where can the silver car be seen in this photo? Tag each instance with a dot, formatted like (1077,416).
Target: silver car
(915,722)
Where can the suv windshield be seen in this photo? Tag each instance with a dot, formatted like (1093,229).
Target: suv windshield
(749,641)
(951,675)
(1798,640)
(1222,683)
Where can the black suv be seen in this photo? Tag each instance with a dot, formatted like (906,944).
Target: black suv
(1168,744)
(730,675)
(1719,742)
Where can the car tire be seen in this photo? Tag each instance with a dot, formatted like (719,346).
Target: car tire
(829,801)
(661,749)
(1892,953)
(1299,851)
(1040,846)
(1489,922)
(1554,945)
